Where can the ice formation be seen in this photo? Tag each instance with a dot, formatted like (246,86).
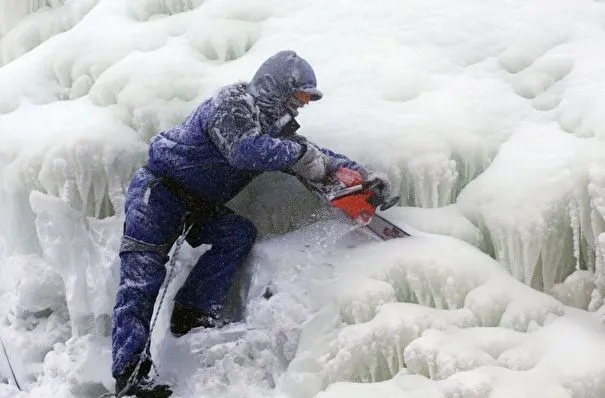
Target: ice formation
(25,24)
(549,226)
(440,325)
(486,116)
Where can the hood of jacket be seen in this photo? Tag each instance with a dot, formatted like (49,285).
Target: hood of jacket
(276,81)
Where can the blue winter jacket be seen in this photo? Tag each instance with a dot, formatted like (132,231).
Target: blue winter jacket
(240,132)
(222,146)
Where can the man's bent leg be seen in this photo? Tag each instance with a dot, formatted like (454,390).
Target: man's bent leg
(205,290)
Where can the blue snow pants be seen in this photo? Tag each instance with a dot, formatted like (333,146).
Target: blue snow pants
(154,218)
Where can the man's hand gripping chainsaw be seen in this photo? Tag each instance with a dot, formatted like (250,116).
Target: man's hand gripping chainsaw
(355,197)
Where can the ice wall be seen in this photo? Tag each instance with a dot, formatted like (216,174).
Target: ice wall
(82,156)
(84,252)
(417,324)
(484,87)
(13,11)
(547,225)
(25,24)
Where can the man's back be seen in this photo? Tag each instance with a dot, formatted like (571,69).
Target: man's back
(187,153)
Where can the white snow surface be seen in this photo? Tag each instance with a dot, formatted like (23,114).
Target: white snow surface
(486,115)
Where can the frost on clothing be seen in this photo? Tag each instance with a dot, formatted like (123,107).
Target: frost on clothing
(237,130)
(154,223)
(276,81)
(221,147)
(242,131)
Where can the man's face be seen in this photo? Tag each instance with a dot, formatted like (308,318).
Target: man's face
(302,97)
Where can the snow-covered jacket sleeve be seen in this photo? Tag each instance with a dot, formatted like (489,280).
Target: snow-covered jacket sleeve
(236,132)
(337,160)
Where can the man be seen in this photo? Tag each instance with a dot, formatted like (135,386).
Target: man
(194,168)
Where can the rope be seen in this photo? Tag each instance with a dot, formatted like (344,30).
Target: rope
(10,366)
(133,379)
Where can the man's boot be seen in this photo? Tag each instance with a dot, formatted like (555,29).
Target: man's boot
(184,319)
(141,386)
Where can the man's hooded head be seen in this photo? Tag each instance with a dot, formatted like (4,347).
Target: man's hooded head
(277,81)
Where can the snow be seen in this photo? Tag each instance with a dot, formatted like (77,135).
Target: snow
(532,225)
(486,115)
(478,362)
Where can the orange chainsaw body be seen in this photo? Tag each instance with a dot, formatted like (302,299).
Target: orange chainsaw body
(358,205)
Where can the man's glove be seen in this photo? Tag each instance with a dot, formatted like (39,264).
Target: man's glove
(384,186)
(313,164)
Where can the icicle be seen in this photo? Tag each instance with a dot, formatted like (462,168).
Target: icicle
(587,227)
(83,178)
(99,189)
(434,189)
(510,251)
(15,10)
(399,356)
(420,195)
(523,243)
(600,275)
(574,218)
